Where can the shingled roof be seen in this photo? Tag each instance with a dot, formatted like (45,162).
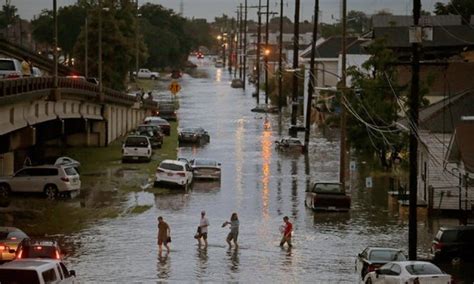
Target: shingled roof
(331,48)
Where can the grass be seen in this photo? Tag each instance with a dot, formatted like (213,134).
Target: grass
(106,184)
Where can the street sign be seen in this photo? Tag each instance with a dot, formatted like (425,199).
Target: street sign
(368,182)
(174,87)
(353,166)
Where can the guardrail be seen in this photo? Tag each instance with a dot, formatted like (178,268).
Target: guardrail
(10,87)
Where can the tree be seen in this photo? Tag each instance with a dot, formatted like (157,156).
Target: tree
(374,105)
(357,22)
(118,42)
(8,14)
(464,8)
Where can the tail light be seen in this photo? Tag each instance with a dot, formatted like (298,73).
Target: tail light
(181,174)
(57,255)
(437,247)
(2,247)
(13,75)
(371,266)
(20,254)
(159,170)
(65,179)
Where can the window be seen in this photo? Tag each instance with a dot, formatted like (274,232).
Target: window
(396,270)
(49,276)
(8,65)
(140,142)
(171,167)
(70,171)
(44,172)
(23,173)
(19,276)
(449,236)
(328,188)
(423,269)
(64,270)
(386,255)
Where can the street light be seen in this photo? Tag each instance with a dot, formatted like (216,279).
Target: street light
(101,95)
(266,52)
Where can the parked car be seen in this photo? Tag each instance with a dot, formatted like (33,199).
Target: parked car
(206,169)
(146,74)
(167,110)
(52,180)
(158,121)
(372,258)
(194,135)
(136,148)
(38,248)
(67,161)
(154,133)
(36,271)
(174,172)
(10,238)
(289,144)
(408,272)
(452,242)
(327,196)
(10,68)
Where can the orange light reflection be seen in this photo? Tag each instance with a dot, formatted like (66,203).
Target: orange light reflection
(266,157)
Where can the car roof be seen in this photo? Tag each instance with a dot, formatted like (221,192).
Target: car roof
(383,248)
(411,262)
(205,160)
(137,136)
(28,263)
(176,162)
(457,228)
(10,229)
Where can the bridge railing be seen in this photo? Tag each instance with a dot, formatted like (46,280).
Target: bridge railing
(18,86)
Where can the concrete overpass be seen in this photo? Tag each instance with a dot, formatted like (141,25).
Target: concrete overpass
(34,115)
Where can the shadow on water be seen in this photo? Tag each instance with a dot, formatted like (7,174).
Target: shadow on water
(233,258)
(163,266)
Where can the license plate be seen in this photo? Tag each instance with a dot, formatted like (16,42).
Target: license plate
(135,158)
(332,207)
(170,174)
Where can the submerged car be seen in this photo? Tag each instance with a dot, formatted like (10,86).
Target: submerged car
(38,248)
(10,238)
(174,172)
(408,272)
(372,258)
(158,121)
(327,196)
(36,271)
(153,133)
(289,144)
(51,180)
(136,148)
(194,135)
(206,169)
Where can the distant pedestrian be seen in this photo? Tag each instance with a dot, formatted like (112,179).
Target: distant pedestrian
(202,230)
(26,67)
(164,234)
(287,230)
(234,229)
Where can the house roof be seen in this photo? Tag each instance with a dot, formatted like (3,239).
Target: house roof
(445,115)
(331,47)
(443,36)
(461,148)
(379,21)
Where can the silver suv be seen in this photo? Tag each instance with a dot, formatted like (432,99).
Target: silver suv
(51,180)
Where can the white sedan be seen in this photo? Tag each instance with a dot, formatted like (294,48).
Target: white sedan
(411,272)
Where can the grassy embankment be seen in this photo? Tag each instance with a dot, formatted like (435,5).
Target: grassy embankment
(106,186)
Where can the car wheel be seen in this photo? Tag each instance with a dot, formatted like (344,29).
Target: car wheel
(51,191)
(4,191)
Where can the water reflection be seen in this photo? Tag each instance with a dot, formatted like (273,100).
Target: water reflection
(202,258)
(266,142)
(239,158)
(233,260)
(294,189)
(218,74)
(163,266)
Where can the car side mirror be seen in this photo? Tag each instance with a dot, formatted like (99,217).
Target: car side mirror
(72,273)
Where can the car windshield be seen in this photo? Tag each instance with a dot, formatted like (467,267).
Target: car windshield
(386,255)
(328,188)
(423,269)
(15,235)
(209,163)
(146,128)
(10,276)
(136,142)
(192,130)
(171,167)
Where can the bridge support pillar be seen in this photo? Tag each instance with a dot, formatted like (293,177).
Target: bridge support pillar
(99,128)
(7,164)
(23,138)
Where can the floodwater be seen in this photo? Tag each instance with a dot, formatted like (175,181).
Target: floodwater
(261,185)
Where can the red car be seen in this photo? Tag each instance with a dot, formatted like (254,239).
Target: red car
(327,196)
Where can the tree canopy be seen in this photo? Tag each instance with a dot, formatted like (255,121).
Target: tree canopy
(465,8)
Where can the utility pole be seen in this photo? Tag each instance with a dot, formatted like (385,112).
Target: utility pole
(86,47)
(342,149)
(136,41)
(312,77)
(231,44)
(241,25)
(259,33)
(413,147)
(280,60)
(266,51)
(294,98)
(244,72)
(55,44)
(101,95)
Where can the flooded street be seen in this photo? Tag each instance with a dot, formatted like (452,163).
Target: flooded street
(261,185)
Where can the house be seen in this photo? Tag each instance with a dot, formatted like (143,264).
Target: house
(439,171)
